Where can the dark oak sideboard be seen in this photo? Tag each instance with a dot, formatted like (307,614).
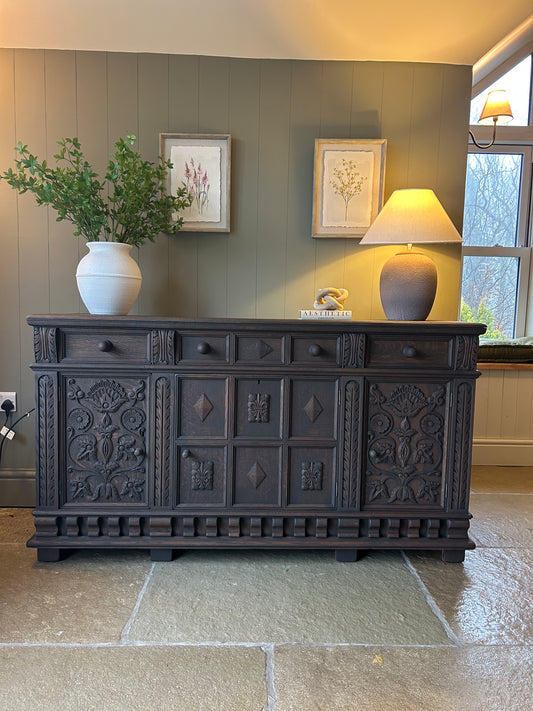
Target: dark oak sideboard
(166,434)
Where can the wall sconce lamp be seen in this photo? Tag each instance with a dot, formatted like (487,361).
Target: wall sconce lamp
(408,281)
(496,110)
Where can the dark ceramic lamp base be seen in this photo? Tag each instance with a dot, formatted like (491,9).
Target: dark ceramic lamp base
(408,285)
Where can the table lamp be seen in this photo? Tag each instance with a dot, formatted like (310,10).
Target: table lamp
(408,281)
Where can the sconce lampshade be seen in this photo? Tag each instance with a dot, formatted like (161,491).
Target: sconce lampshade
(496,109)
(408,281)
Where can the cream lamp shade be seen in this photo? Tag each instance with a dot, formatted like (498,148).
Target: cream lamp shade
(496,110)
(408,280)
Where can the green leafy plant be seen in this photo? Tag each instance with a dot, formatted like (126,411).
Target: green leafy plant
(482,315)
(129,205)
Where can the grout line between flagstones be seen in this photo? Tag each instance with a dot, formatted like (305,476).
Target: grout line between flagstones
(124,637)
(272,697)
(432,603)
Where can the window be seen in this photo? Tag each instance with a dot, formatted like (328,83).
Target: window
(497,217)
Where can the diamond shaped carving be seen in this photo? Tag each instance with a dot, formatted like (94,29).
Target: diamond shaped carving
(313,409)
(203,406)
(256,475)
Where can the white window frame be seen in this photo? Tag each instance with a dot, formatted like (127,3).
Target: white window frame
(513,139)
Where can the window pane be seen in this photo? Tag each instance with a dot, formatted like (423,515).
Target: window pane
(492,199)
(489,293)
(517,84)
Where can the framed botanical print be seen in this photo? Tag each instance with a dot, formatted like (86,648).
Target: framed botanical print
(349,177)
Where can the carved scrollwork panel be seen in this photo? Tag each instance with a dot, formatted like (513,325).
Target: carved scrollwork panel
(404,455)
(105,422)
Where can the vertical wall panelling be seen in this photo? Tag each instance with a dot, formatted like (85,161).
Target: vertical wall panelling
(396,119)
(273,187)
(123,106)
(60,96)
(335,110)
(425,125)
(365,122)
(153,119)
(244,92)
(268,265)
(183,249)
(91,116)
(503,419)
(10,342)
(305,127)
(213,117)
(33,247)
(367,100)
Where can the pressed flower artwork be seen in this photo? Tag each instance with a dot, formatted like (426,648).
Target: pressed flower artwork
(201,165)
(348,186)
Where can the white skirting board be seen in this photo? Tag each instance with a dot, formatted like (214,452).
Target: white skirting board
(503,452)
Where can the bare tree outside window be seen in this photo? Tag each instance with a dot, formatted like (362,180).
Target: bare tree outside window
(492,197)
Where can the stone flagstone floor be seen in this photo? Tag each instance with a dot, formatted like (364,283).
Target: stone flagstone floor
(276,631)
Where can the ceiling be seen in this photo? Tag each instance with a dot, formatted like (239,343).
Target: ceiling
(448,31)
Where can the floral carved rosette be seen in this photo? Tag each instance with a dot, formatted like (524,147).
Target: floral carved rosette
(405,444)
(106,432)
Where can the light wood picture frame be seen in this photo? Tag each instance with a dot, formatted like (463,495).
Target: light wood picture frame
(349,179)
(202,163)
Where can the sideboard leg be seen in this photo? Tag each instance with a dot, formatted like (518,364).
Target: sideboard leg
(347,555)
(49,555)
(453,556)
(161,555)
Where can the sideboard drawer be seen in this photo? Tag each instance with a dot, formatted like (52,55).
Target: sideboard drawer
(204,347)
(318,351)
(409,352)
(105,346)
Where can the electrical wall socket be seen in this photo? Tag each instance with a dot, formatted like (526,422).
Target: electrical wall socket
(9,396)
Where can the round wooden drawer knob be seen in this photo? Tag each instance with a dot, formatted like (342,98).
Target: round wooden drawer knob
(203,347)
(105,346)
(409,351)
(314,350)
(186,454)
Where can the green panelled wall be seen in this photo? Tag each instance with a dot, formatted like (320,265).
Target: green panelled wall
(268,265)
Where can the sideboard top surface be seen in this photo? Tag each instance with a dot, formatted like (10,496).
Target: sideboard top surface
(288,325)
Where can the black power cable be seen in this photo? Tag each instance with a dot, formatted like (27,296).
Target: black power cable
(7,406)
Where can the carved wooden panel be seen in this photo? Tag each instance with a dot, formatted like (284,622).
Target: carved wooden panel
(45,344)
(162,440)
(106,431)
(257,476)
(162,346)
(260,350)
(201,475)
(259,404)
(466,352)
(202,407)
(46,429)
(406,439)
(462,453)
(352,352)
(350,497)
(313,408)
(311,476)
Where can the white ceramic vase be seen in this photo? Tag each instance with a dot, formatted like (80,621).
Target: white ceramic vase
(109,279)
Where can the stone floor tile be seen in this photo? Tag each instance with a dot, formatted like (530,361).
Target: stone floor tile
(132,678)
(88,597)
(16,525)
(285,596)
(497,480)
(403,679)
(502,520)
(487,599)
